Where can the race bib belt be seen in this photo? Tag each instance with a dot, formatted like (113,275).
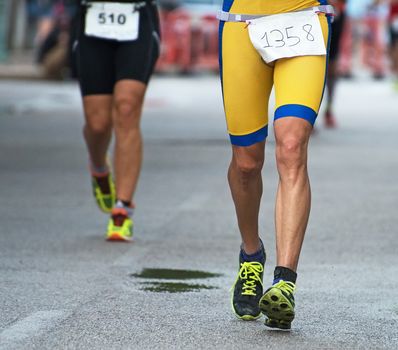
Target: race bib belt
(112,20)
(285,35)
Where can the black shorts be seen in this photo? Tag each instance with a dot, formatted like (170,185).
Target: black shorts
(337,31)
(102,62)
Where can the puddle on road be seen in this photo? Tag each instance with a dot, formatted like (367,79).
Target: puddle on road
(173,287)
(173,274)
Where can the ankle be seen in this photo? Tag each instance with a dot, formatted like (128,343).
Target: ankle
(99,170)
(125,206)
(256,254)
(285,274)
(252,247)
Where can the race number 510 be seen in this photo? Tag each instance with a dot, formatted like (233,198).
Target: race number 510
(111,18)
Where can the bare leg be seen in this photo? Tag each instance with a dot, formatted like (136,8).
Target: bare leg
(293,200)
(244,176)
(98,128)
(128,100)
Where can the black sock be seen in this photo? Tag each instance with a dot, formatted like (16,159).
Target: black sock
(284,273)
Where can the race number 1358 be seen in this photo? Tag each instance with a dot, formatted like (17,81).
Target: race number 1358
(287,35)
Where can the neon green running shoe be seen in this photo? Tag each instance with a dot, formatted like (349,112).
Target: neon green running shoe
(277,304)
(120,226)
(248,289)
(104,191)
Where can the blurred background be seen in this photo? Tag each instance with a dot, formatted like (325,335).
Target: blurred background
(36,37)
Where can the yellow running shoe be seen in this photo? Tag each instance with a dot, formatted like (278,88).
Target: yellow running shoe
(104,191)
(120,226)
(277,304)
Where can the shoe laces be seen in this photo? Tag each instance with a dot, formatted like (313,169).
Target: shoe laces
(251,273)
(286,286)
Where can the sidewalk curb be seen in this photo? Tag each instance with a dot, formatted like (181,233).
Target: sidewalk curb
(21,71)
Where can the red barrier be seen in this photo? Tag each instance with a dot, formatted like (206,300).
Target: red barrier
(175,27)
(207,57)
(189,43)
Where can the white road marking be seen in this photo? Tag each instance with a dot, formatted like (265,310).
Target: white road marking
(33,325)
(195,202)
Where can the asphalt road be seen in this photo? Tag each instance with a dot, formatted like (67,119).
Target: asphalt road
(63,287)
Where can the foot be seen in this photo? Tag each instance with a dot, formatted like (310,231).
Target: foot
(330,120)
(104,191)
(248,289)
(277,304)
(120,226)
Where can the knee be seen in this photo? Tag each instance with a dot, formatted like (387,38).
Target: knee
(291,153)
(248,167)
(97,122)
(127,112)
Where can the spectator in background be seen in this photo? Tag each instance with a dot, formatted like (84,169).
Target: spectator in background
(355,11)
(375,38)
(393,29)
(41,11)
(365,24)
(337,30)
(53,38)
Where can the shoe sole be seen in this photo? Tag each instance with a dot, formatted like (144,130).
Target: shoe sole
(118,238)
(247,317)
(278,325)
(277,308)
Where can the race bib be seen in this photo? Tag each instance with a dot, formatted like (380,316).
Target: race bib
(287,35)
(112,20)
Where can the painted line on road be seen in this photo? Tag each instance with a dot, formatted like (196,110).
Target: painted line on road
(33,325)
(195,202)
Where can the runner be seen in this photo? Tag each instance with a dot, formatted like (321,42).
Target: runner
(118,44)
(337,30)
(294,45)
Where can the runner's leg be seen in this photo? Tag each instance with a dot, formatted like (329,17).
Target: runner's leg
(244,176)
(293,199)
(97,130)
(247,83)
(299,87)
(127,108)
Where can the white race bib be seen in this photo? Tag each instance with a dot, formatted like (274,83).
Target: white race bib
(112,20)
(287,35)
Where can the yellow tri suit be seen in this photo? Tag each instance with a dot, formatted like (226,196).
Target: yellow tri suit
(247,80)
